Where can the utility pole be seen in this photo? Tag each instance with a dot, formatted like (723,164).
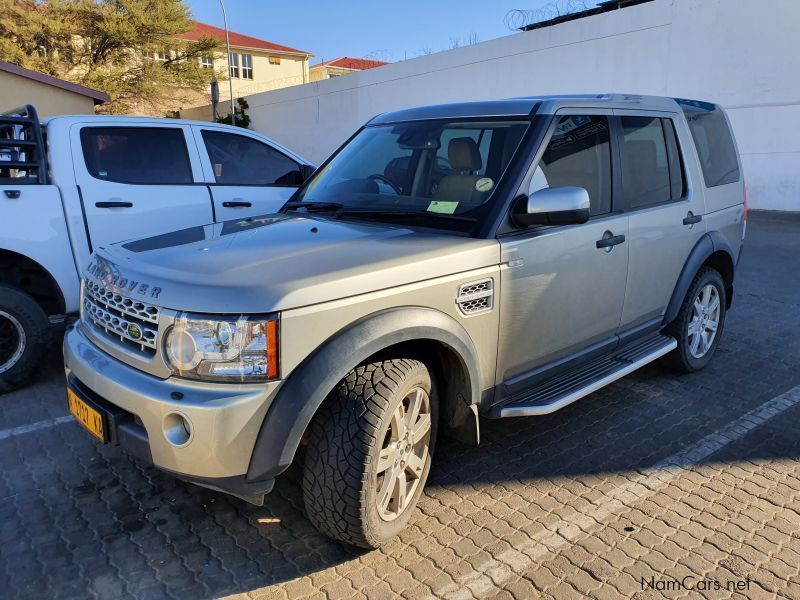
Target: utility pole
(228,48)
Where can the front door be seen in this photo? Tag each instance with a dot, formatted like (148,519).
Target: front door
(137,181)
(560,292)
(247,176)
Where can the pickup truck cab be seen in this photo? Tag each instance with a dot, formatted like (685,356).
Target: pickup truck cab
(71,184)
(449,263)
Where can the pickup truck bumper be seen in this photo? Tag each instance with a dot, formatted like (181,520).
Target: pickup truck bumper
(201,432)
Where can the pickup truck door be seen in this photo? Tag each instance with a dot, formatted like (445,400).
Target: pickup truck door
(138,180)
(247,174)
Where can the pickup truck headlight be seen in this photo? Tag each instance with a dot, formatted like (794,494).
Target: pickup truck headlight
(223,349)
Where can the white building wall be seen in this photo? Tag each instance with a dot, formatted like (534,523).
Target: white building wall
(739,53)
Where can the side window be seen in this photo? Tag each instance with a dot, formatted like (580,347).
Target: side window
(139,155)
(579,155)
(645,166)
(240,160)
(714,142)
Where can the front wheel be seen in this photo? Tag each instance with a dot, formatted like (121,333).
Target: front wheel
(369,452)
(24,330)
(699,324)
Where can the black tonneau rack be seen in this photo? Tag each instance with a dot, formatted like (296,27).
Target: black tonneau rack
(23,158)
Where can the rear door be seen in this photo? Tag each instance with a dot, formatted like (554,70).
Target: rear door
(248,175)
(665,213)
(137,180)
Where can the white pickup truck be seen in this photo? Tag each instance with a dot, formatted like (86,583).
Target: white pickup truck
(70,184)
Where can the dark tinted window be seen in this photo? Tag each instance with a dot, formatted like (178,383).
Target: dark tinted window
(240,160)
(645,164)
(714,142)
(146,155)
(579,155)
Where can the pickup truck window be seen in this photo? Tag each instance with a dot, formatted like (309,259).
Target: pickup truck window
(240,160)
(138,155)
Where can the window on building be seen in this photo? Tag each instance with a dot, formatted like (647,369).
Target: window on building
(233,62)
(247,66)
(240,160)
(162,55)
(645,165)
(274,60)
(207,62)
(144,155)
(579,154)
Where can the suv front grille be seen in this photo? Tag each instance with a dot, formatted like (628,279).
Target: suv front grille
(132,322)
(475,297)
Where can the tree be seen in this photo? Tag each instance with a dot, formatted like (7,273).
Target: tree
(242,118)
(130,49)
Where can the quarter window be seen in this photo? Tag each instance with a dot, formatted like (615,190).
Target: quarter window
(714,142)
(579,154)
(645,164)
(240,160)
(233,64)
(247,66)
(140,155)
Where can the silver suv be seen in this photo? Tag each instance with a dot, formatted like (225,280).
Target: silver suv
(494,259)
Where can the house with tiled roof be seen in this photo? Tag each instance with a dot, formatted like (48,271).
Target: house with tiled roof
(256,65)
(342,66)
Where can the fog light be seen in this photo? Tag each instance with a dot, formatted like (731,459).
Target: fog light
(177,429)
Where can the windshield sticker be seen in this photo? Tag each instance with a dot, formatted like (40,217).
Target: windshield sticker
(484,184)
(446,208)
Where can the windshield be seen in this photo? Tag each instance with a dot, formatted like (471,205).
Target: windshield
(441,172)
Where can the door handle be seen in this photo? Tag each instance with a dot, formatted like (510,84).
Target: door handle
(114,204)
(608,242)
(237,204)
(691,219)
(13,194)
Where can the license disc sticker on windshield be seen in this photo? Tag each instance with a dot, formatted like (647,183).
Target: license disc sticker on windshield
(447,208)
(484,184)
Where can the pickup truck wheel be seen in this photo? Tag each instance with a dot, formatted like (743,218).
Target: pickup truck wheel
(24,330)
(369,452)
(699,324)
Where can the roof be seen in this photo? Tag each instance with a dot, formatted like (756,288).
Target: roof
(97,96)
(602,7)
(355,64)
(237,39)
(528,106)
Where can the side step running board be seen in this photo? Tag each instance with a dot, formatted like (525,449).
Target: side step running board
(565,389)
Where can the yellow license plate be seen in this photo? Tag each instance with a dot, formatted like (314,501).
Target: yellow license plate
(86,415)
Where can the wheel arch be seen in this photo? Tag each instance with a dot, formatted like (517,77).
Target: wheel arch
(711,250)
(424,333)
(29,276)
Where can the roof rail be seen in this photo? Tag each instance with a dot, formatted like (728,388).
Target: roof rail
(23,158)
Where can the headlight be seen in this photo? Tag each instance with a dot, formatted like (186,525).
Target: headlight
(241,349)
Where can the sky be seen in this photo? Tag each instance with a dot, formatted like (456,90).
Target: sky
(377,29)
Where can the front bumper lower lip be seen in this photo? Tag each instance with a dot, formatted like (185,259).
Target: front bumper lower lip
(226,418)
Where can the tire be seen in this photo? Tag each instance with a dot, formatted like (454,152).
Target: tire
(350,442)
(695,351)
(24,332)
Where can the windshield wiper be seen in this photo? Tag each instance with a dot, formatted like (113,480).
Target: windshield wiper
(312,206)
(411,214)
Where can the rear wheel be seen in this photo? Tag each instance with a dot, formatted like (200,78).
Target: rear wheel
(24,330)
(370,451)
(699,324)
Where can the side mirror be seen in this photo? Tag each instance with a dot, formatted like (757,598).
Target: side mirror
(552,206)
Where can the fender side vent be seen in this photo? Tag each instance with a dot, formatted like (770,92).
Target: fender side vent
(475,297)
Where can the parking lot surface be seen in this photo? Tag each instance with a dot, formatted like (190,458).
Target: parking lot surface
(658,486)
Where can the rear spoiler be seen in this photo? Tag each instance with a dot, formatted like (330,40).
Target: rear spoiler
(23,158)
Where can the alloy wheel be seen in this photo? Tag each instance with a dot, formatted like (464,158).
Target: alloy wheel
(12,341)
(404,454)
(704,323)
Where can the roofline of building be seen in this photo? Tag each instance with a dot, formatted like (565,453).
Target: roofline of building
(97,96)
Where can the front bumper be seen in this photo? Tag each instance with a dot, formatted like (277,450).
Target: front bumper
(225,419)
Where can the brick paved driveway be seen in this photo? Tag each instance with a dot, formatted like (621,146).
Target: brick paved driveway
(691,480)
